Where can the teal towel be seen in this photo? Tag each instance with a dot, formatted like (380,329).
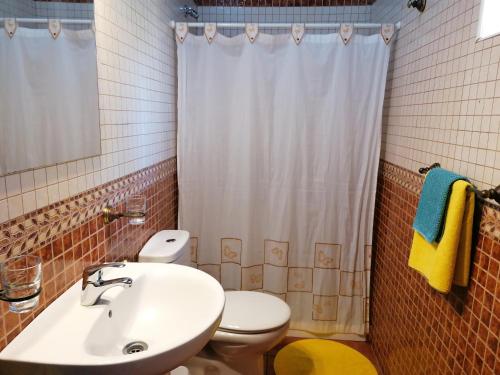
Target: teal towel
(433,201)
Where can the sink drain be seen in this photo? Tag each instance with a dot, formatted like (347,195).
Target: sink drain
(135,347)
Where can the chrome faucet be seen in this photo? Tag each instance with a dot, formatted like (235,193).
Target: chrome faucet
(93,286)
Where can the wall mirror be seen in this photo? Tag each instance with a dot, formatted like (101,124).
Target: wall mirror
(48,93)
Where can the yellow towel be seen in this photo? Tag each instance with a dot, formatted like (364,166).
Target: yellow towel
(448,260)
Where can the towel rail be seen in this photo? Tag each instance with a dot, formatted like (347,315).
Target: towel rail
(424,170)
(493,194)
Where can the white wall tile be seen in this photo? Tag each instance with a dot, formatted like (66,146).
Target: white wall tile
(40,176)
(62,172)
(29,201)
(3,190)
(53,193)
(4,210)
(13,184)
(332,14)
(42,197)
(15,206)
(72,170)
(51,175)
(17,8)
(441,102)
(63,190)
(27,181)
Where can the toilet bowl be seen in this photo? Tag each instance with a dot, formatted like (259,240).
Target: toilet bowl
(252,322)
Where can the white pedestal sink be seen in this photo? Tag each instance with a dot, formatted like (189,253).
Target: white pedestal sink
(170,309)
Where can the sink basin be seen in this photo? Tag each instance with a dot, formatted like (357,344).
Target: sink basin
(166,317)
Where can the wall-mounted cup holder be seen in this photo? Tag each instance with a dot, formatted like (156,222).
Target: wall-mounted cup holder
(135,211)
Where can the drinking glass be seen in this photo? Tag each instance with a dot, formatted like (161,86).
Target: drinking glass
(21,278)
(136,204)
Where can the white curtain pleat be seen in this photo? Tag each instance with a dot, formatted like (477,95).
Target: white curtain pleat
(278,149)
(48,98)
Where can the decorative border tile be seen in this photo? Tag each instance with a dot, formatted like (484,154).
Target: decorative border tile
(408,179)
(41,226)
(490,222)
(413,182)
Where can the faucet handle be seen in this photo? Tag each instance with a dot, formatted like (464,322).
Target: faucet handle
(91,270)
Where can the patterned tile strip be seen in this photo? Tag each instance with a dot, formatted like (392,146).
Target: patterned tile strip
(412,182)
(37,228)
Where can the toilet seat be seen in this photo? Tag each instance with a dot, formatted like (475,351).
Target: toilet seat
(247,339)
(248,312)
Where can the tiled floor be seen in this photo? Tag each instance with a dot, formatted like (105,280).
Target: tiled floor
(361,346)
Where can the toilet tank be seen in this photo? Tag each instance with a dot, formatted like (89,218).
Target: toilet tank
(166,246)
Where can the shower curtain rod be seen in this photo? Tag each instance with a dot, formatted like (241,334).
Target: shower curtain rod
(286,25)
(42,20)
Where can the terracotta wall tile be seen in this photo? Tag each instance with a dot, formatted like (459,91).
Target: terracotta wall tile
(414,329)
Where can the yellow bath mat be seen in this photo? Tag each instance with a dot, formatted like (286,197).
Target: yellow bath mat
(448,261)
(321,357)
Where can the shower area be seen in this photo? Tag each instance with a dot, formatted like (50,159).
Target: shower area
(278,146)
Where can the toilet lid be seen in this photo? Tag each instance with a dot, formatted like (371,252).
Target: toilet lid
(166,246)
(253,312)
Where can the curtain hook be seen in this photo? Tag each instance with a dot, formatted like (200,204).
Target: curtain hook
(346,30)
(10,26)
(55,28)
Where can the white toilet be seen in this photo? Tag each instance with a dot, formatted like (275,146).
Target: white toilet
(252,322)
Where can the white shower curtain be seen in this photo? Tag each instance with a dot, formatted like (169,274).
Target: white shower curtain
(278,149)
